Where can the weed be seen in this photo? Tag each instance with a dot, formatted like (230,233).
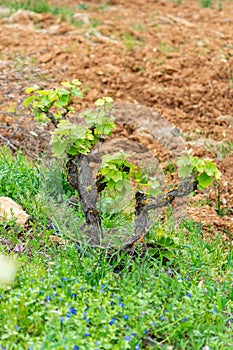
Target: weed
(31,5)
(206,3)
(167,49)
(130,41)
(220,150)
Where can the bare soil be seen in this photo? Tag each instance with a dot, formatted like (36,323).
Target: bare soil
(170,61)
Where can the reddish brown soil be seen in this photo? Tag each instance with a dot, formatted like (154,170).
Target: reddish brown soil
(175,59)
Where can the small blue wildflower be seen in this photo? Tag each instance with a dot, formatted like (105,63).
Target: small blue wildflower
(86,308)
(68,314)
(121,304)
(61,320)
(127,337)
(54,295)
(64,279)
(146,331)
(166,310)
(73,310)
(81,288)
(74,295)
(112,295)
(133,334)
(86,334)
(137,347)
(97,343)
(188,295)
(47,298)
(126,317)
(184,319)
(103,286)
(18,328)
(112,321)
(154,324)
(162,318)
(86,319)
(53,286)
(112,303)
(76,347)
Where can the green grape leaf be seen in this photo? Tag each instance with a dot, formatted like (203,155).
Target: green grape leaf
(111,185)
(63,101)
(185,170)
(117,176)
(204,181)
(212,170)
(99,102)
(58,147)
(32,89)
(76,82)
(120,185)
(28,100)
(66,84)
(76,92)
(73,150)
(108,99)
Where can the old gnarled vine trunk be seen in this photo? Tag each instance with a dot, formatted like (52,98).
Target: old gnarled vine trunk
(80,178)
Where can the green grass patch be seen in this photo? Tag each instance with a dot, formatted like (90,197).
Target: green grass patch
(77,297)
(43,7)
(31,5)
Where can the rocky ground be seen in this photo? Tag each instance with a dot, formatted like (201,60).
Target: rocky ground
(167,65)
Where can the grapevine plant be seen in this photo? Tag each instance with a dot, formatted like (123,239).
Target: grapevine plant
(74,143)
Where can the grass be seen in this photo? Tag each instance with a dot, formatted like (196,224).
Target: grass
(31,5)
(75,297)
(42,7)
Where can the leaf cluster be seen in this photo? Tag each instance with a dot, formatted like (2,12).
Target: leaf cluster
(116,171)
(59,100)
(204,170)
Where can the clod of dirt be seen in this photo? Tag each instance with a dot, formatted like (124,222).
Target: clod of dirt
(10,210)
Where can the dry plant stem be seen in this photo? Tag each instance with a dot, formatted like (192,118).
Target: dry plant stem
(81,179)
(8,142)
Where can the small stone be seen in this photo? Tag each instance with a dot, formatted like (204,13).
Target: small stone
(81,17)
(10,210)
(224,201)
